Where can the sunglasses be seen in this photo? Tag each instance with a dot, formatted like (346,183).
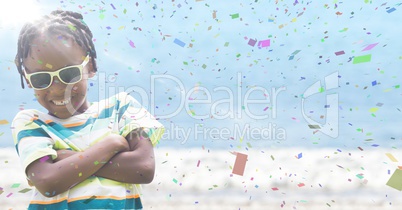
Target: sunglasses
(67,75)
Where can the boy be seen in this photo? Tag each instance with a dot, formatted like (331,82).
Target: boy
(78,155)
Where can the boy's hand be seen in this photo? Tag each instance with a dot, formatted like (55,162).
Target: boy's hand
(118,141)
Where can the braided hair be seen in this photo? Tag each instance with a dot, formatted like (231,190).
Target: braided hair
(69,24)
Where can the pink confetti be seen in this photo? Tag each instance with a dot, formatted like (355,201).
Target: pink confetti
(132,44)
(264,43)
(198,164)
(10,194)
(44,159)
(369,47)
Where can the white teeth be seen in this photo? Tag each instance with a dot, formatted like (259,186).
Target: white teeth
(62,102)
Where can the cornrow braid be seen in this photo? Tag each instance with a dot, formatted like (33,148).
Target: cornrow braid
(66,23)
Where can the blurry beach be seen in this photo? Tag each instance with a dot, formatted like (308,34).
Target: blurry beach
(295,178)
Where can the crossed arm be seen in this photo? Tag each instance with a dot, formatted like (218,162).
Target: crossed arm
(129,160)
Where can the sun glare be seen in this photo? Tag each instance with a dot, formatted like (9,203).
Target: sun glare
(16,12)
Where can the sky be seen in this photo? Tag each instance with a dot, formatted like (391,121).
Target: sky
(227,74)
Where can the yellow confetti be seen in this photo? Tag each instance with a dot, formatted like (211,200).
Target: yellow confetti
(391,157)
(49,66)
(374,109)
(3,122)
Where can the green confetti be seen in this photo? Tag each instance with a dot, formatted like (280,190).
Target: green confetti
(234,16)
(101,16)
(15,185)
(174,180)
(395,180)
(362,59)
(73,28)
(25,190)
(96,163)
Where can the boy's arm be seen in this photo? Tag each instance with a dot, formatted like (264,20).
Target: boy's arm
(136,166)
(52,178)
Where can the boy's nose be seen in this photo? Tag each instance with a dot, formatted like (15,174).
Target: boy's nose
(57,84)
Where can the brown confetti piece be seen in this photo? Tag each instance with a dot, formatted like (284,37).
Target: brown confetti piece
(240,164)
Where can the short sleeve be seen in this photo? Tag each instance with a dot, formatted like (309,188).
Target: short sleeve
(132,116)
(31,141)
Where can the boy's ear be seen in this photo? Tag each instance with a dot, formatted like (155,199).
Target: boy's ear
(91,69)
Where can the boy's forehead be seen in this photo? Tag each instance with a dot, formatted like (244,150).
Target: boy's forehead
(53,51)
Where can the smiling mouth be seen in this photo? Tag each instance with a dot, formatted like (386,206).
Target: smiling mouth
(61,102)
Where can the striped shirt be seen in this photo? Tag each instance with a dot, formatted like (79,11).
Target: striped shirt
(37,135)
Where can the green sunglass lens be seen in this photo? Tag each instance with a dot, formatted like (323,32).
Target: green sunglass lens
(40,80)
(70,75)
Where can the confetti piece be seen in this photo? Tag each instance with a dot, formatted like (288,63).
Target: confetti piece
(113,6)
(252,42)
(274,188)
(178,42)
(391,157)
(396,180)
(25,190)
(16,185)
(264,43)
(301,185)
(391,10)
(132,44)
(3,122)
(240,164)
(234,16)
(73,28)
(44,159)
(49,66)
(362,59)
(175,180)
(198,164)
(10,194)
(369,47)
(340,53)
(314,126)
(299,156)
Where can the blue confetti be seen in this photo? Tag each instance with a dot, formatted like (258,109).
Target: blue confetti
(180,43)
